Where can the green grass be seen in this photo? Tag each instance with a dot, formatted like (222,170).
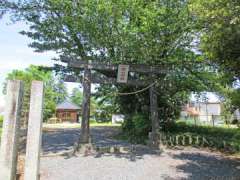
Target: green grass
(223,132)
(61,126)
(94,124)
(78,125)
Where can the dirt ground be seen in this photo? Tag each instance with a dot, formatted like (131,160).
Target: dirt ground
(139,163)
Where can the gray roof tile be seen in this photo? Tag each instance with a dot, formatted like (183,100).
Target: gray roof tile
(67,105)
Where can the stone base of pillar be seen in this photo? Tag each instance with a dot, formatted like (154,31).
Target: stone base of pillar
(154,140)
(86,149)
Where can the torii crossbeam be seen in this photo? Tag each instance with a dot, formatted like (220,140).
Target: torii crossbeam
(88,78)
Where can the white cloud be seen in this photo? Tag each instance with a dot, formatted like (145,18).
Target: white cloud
(23,57)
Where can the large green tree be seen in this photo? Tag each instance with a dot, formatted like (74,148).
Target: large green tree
(153,32)
(218,26)
(77,98)
(54,89)
(149,32)
(156,32)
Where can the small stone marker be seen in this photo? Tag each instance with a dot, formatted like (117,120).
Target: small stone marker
(10,134)
(34,135)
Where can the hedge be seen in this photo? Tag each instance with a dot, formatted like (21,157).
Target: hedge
(227,139)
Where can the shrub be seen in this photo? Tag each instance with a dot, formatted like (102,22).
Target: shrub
(215,137)
(136,128)
(235,121)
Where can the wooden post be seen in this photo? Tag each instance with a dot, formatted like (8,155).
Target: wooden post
(154,135)
(34,136)
(10,134)
(84,135)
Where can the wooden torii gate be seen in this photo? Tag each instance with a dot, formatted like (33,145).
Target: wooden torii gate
(89,78)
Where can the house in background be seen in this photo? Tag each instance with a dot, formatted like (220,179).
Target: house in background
(203,111)
(68,112)
(209,110)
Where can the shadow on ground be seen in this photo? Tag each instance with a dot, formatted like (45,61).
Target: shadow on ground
(56,141)
(132,155)
(204,165)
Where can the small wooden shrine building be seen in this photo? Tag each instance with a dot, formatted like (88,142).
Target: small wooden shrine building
(68,112)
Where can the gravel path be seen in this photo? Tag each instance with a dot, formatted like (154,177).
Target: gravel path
(144,163)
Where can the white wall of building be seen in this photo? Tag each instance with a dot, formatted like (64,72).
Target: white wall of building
(207,110)
(117,118)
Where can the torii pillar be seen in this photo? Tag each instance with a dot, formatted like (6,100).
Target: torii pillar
(85,134)
(154,136)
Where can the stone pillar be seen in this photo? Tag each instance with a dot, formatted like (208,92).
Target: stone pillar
(10,133)
(34,135)
(154,135)
(84,135)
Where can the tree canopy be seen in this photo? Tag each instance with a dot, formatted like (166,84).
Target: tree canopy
(151,32)
(196,41)
(156,32)
(218,26)
(219,29)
